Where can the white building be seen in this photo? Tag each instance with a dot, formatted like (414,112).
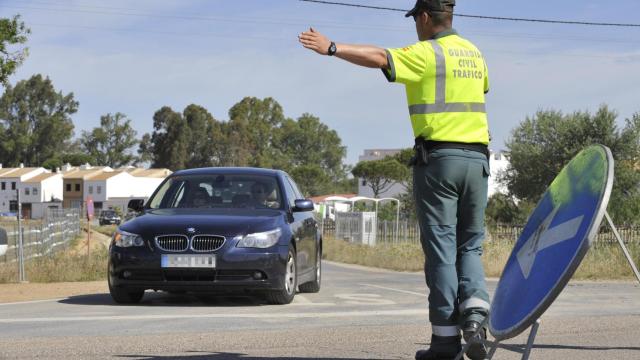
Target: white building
(40,193)
(114,189)
(11,180)
(498,162)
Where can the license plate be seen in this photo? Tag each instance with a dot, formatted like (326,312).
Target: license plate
(188,261)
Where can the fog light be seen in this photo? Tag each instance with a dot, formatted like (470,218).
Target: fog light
(126,274)
(257,275)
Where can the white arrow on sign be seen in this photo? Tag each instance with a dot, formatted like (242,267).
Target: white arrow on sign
(544,237)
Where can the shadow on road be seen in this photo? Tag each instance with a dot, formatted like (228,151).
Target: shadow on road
(581,347)
(229,356)
(165,299)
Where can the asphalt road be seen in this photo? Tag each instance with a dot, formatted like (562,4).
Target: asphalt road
(359,314)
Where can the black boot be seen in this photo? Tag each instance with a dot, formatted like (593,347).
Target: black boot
(442,348)
(477,349)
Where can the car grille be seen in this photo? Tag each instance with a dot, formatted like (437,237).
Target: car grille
(172,242)
(202,243)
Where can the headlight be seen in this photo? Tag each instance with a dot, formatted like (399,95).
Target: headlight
(260,240)
(125,239)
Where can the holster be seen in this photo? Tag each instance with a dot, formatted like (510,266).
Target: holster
(421,153)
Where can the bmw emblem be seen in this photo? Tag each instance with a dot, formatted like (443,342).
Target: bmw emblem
(191,230)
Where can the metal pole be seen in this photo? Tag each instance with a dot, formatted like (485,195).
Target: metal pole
(22,275)
(397,220)
(624,248)
(532,337)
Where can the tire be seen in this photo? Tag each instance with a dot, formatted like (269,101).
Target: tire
(290,282)
(314,286)
(123,296)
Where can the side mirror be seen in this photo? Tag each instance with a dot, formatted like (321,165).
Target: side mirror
(3,242)
(136,205)
(303,205)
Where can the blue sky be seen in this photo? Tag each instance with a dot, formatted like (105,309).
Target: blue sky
(137,56)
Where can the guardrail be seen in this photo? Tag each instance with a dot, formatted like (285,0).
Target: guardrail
(50,235)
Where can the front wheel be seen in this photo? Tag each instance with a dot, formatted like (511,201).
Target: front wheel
(124,296)
(314,286)
(288,292)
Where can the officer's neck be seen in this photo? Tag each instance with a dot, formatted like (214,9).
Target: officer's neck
(440,30)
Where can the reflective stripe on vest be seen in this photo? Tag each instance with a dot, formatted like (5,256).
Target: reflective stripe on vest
(441,106)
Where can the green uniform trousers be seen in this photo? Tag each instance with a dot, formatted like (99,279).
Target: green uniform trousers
(451,197)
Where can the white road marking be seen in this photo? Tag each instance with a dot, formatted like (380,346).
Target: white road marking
(364,299)
(396,290)
(300,300)
(405,312)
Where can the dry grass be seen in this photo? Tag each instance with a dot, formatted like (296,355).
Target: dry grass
(604,261)
(64,266)
(402,257)
(105,229)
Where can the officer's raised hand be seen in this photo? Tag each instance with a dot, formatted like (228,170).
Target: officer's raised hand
(315,41)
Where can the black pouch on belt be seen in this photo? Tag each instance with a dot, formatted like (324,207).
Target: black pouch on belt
(421,156)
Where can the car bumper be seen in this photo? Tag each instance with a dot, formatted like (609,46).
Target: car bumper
(139,268)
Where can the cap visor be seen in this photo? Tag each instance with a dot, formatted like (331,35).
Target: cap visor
(411,12)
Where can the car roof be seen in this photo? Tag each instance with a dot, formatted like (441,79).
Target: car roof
(229,171)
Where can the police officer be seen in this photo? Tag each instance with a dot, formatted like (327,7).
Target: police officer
(445,77)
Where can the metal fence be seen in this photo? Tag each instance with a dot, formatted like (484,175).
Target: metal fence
(41,238)
(392,232)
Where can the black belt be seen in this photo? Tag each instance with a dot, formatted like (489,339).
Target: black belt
(423,147)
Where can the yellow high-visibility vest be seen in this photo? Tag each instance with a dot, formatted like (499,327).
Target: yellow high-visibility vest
(446,79)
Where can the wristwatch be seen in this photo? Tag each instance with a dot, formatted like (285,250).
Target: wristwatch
(332,49)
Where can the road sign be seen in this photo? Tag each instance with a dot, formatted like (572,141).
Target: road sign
(90,209)
(553,242)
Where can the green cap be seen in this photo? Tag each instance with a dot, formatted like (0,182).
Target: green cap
(431,5)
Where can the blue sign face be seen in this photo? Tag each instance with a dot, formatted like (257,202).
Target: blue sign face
(553,243)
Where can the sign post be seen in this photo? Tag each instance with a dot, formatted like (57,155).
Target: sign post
(90,211)
(554,241)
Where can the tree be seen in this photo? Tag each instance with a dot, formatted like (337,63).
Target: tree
(72,158)
(12,32)
(312,179)
(380,175)
(253,121)
(308,141)
(541,146)
(169,142)
(112,142)
(504,209)
(188,140)
(200,147)
(35,122)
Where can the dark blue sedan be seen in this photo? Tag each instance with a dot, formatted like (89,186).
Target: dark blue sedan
(216,230)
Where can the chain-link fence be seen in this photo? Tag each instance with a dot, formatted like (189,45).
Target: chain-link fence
(44,237)
(351,228)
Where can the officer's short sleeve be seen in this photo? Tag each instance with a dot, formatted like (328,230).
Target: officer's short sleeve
(406,65)
(486,78)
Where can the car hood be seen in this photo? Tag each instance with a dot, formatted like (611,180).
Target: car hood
(225,222)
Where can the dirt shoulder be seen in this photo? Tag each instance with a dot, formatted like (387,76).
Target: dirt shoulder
(39,291)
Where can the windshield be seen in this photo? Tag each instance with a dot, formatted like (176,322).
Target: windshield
(108,213)
(218,191)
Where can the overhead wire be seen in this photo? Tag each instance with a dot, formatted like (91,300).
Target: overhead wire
(332,24)
(502,18)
